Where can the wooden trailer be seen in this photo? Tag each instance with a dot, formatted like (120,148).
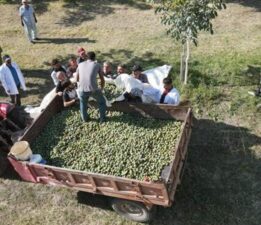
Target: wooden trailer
(131,198)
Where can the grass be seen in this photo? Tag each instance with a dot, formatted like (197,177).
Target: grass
(221,184)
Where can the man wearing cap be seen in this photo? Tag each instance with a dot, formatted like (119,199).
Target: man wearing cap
(82,55)
(12,79)
(28,20)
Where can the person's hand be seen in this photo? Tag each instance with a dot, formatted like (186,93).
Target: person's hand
(60,93)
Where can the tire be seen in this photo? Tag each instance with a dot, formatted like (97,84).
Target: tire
(132,210)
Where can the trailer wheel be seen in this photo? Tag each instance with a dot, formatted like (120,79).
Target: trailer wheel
(131,210)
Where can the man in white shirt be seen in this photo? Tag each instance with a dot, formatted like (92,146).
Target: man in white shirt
(28,20)
(12,79)
(169,95)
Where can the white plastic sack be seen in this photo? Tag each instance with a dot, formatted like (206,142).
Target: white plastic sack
(127,82)
(156,75)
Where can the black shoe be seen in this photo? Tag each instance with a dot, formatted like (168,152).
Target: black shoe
(37,39)
(32,42)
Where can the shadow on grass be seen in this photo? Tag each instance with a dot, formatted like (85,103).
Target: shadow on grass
(221,183)
(80,11)
(249,3)
(39,6)
(128,57)
(38,82)
(60,41)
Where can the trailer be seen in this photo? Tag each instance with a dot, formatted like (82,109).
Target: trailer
(133,199)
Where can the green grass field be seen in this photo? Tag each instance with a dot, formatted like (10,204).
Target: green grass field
(221,184)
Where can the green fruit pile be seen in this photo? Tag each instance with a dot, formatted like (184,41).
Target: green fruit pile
(111,92)
(125,146)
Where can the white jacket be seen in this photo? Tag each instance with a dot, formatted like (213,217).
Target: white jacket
(7,79)
(172,97)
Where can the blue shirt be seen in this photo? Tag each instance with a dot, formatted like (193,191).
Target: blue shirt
(15,75)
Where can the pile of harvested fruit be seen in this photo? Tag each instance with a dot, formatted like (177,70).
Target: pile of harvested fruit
(126,146)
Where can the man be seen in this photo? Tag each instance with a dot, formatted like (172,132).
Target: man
(121,68)
(56,68)
(107,70)
(86,74)
(70,97)
(12,79)
(137,73)
(81,55)
(71,67)
(28,20)
(169,95)
(61,77)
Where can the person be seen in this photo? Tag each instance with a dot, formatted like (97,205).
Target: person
(56,65)
(69,94)
(28,20)
(137,73)
(86,74)
(169,95)
(121,68)
(12,79)
(107,69)
(72,66)
(61,77)
(81,55)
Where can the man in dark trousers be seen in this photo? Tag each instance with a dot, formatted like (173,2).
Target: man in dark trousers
(86,74)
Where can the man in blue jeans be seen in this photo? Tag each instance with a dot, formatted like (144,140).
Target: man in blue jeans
(86,74)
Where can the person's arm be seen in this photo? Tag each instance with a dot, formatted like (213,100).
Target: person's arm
(55,80)
(3,81)
(101,75)
(21,15)
(67,102)
(22,21)
(77,74)
(35,18)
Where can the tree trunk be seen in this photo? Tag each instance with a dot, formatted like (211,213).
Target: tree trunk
(187,59)
(182,63)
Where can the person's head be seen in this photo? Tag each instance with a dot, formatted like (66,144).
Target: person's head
(25,3)
(107,67)
(72,62)
(167,82)
(68,85)
(136,71)
(121,68)
(61,76)
(7,59)
(91,56)
(56,64)
(81,52)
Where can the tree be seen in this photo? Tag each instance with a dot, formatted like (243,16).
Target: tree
(184,19)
